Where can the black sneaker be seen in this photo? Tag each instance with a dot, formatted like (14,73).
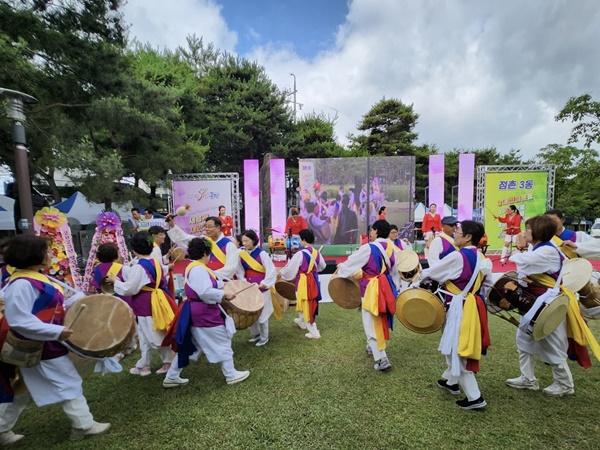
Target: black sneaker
(454,389)
(475,404)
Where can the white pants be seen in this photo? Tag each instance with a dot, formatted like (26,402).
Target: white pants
(368,325)
(466,379)
(510,241)
(151,339)
(561,373)
(261,326)
(77,410)
(215,344)
(260,329)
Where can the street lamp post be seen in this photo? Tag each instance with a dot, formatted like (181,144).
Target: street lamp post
(15,110)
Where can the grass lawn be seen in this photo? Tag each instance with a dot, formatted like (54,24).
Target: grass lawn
(325,394)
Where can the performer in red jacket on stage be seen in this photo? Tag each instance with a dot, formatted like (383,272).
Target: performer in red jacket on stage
(512,219)
(432,224)
(226,221)
(295,223)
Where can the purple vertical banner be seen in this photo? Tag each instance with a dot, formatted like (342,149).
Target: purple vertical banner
(278,196)
(436,182)
(251,196)
(466,180)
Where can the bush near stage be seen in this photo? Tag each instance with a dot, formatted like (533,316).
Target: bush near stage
(325,395)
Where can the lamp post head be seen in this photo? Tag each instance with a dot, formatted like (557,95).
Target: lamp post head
(16,101)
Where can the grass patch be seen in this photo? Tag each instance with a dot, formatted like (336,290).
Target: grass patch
(325,394)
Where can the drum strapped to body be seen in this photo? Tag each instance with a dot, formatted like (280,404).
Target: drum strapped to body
(420,310)
(247,305)
(508,296)
(103,325)
(177,254)
(345,292)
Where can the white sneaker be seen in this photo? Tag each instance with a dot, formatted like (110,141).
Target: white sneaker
(301,323)
(9,438)
(175,382)
(558,390)
(254,339)
(262,342)
(144,372)
(239,377)
(316,335)
(164,369)
(523,383)
(97,428)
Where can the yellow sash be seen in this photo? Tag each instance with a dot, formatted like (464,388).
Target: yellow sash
(162,314)
(371,302)
(24,273)
(469,340)
(577,328)
(198,263)
(253,263)
(448,239)
(302,289)
(114,269)
(216,251)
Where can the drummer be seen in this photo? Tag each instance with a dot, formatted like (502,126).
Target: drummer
(159,235)
(257,267)
(401,244)
(146,284)
(200,326)
(34,312)
(376,262)
(465,272)
(543,264)
(443,243)
(303,269)
(561,232)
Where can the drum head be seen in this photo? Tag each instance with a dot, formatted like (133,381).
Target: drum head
(420,311)
(102,328)
(408,261)
(249,300)
(576,274)
(286,289)
(550,317)
(177,254)
(344,292)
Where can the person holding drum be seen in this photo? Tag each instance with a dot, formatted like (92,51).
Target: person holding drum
(376,262)
(146,284)
(401,244)
(443,243)
(201,322)
(257,267)
(563,233)
(512,220)
(542,266)
(34,313)
(465,273)
(303,269)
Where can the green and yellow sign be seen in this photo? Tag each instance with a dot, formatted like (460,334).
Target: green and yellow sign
(528,191)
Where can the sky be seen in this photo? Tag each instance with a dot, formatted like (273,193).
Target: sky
(479,74)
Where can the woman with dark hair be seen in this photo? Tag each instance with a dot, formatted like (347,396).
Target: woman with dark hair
(543,264)
(145,282)
(200,327)
(466,274)
(512,219)
(381,213)
(34,313)
(5,270)
(256,266)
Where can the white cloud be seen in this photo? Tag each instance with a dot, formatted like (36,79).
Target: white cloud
(167,23)
(478,73)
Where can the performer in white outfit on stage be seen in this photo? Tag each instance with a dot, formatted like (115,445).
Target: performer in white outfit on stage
(256,266)
(34,312)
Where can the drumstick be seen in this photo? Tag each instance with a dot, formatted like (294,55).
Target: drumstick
(244,289)
(77,315)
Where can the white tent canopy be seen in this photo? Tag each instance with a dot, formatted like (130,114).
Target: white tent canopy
(420,211)
(79,208)
(7,218)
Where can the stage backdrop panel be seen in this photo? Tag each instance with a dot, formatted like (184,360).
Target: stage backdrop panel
(527,190)
(204,197)
(365,184)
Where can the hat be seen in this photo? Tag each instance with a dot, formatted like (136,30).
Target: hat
(449,220)
(420,311)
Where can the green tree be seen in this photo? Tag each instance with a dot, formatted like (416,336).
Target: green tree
(389,129)
(586,113)
(576,187)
